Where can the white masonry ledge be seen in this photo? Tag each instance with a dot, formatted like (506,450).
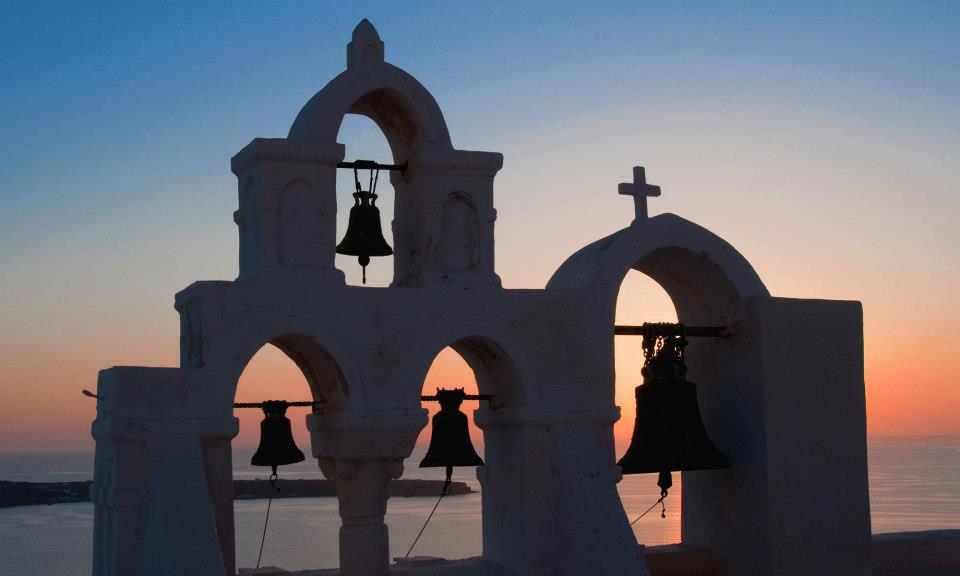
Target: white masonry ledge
(924,553)
(420,566)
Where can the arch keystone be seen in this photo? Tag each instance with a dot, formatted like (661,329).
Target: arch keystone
(365,47)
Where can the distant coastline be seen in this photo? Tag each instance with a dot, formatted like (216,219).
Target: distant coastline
(39,493)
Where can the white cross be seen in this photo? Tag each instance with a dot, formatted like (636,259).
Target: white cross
(640,190)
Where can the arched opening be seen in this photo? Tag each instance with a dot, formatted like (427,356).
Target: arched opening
(641,300)
(480,366)
(302,531)
(392,114)
(700,293)
(455,529)
(364,140)
(270,375)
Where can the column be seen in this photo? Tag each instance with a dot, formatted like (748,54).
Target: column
(362,451)
(362,488)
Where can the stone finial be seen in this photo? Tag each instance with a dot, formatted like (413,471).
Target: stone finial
(640,191)
(365,47)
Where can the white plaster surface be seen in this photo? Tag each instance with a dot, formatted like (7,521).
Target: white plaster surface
(782,396)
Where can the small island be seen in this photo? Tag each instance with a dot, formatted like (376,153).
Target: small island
(36,493)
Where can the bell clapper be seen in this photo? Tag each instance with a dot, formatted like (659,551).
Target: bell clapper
(665,482)
(364,261)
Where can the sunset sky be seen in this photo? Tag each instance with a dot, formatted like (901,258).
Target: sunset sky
(822,141)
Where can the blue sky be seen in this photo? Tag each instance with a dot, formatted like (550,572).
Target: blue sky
(129,110)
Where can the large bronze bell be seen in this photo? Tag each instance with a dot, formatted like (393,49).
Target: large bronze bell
(276,438)
(450,443)
(364,236)
(669,434)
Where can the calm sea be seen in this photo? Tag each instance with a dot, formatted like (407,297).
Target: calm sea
(914,485)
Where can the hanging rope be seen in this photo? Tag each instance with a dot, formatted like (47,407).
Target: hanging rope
(663,512)
(443,492)
(665,482)
(263,538)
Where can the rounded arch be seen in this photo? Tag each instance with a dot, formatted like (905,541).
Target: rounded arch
(706,277)
(322,359)
(709,283)
(493,367)
(498,369)
(406,112)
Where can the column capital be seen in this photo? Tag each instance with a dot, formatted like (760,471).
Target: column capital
(362,490)
(285,150)
(366,435)
(456,162)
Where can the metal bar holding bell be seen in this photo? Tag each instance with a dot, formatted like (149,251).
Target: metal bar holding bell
(314,404)
(465,397)
(658,329)
(371,165)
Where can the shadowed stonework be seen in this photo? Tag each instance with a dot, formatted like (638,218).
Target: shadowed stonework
(781,394)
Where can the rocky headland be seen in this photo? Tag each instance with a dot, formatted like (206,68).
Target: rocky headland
(34,493)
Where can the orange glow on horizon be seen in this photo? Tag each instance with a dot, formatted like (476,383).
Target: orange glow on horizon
(909,373)
(272,375)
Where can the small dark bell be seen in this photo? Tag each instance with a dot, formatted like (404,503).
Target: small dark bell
(450,443)
(364,236)
(276,438)
(669,434)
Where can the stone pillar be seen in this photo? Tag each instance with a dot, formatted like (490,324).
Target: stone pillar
(550,502)
(816,435)
(787,406)
(218,465)
(361,451)
(443,232)
(117,494)
(154,508)
(288,206)
(362,488)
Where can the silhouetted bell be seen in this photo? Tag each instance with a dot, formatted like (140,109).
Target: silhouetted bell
(450,443)
(364,237)
(669,434)
(276,438)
